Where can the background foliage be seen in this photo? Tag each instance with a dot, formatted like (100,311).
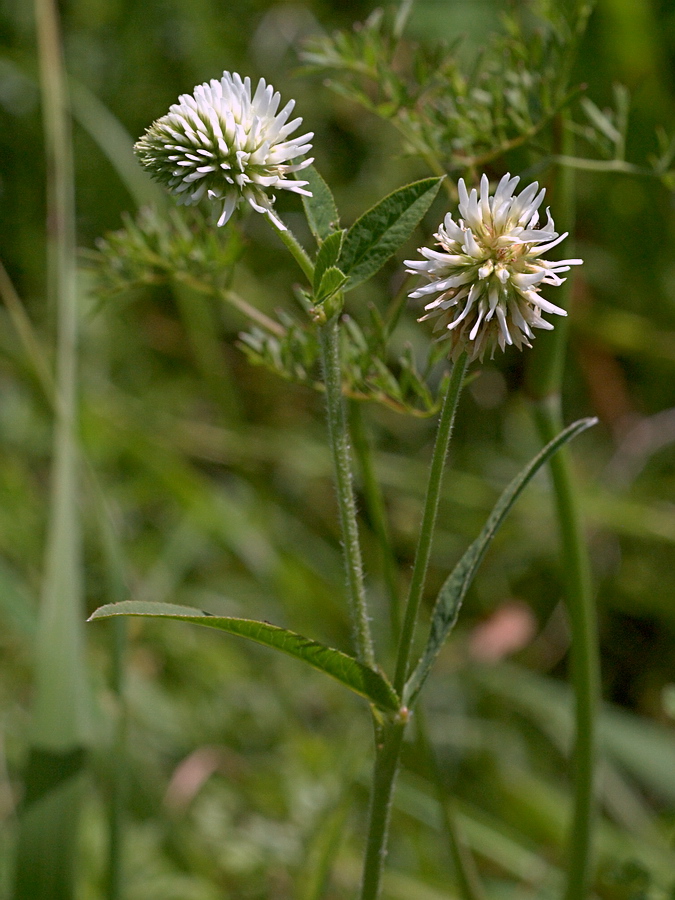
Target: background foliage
(243,772)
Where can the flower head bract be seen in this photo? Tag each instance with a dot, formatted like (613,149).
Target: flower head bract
(484,284)
(225,144)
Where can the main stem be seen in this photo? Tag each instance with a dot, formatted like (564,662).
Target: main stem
(339,443)
(423,552)
(584,654)
(390,736)
(468,882)
(384,779)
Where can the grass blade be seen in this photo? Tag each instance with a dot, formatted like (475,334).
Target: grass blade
(61,727)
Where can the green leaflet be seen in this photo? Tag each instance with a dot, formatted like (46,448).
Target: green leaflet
(320,209)
(380,231)
(327,257)
(331,282)
(458,582)
(345,669)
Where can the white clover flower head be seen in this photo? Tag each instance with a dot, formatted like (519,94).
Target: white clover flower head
(486,279)
(224,144)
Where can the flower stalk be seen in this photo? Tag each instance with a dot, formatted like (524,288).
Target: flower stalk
(296,250)
(388,756)
(390,737)
(468,882)
(544,384)
(423,552)
(585,664)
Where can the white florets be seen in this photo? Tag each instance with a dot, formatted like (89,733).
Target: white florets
(223,144)
(489,274)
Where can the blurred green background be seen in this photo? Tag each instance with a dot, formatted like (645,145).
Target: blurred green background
(246,776)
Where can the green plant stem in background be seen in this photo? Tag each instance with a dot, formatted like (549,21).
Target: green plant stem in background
(584,654)
(425,538)
(339,443)
(61,727)
(544,383)
(117,591)
(26,334)
(119,780)
(61,714)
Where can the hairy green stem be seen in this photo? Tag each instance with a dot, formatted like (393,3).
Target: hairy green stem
(384,779)
(298,252)
(338,435)
(374,504)
(339,442)
(463,863)
(423,552)
(390,736)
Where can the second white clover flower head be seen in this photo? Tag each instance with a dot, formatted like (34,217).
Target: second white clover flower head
(222,143)
(486,279)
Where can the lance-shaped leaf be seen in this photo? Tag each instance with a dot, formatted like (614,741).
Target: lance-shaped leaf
(379,233)
(458,582)
(320,208)
(345,669)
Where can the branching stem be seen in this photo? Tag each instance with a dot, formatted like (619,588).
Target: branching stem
(384,779)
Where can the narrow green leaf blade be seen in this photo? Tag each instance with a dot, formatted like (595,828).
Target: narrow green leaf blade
(380,231)
(46,851)
(458,582)
(345,669)
(320,208)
